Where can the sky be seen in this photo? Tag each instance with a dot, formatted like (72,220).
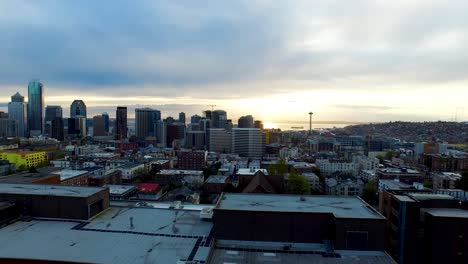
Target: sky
(356,61)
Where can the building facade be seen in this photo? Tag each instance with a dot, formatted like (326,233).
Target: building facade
(35,108)
(248,142)
(145,122)
(121,128)
(78,109)
(18,110)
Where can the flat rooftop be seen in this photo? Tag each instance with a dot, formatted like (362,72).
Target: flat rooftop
(48,189)
(228,251)
(68,174)
(28,177)
(448,212)
(216,179)
(431,196)
(156,236)
(120,189)
(247,171)
(394,185)
(181,172)
(339,206)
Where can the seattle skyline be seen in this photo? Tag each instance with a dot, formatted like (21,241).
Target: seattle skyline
(369,61)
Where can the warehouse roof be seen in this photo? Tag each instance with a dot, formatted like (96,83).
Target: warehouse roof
(340,206)
(48,189)
(119,235)
(228,251)
(448,212)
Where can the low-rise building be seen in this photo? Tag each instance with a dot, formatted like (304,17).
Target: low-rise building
(189,178)
(56,201)
(6,168)
(73,177)
(445,180)
(121,192)
(402,174)
(24,158)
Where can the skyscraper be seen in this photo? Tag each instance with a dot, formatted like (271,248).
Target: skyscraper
(145,122)
(195,119)
(18,110)
(248,142)
(175,131)
(219,119)
(182,117)
(99,126)
(161,132)
(78,109)
(57,128)
(121,128)
(8,126)
(51,112)
(105,115)
(245,122)
(35,108)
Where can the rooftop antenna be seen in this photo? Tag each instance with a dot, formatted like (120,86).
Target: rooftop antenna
(212,106)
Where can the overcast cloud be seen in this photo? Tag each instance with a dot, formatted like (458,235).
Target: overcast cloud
(230,49)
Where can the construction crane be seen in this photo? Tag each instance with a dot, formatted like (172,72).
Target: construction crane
(212,106)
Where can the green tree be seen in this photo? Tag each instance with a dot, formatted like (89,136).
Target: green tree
(298,184)
(462,183)
(141,175)
(369,193)
(279,168)
(381,158)
(32,169)
(389,155)
(427,184)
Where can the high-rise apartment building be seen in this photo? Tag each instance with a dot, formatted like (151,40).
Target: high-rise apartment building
(182,117)
(78,109)
(105,115)
(18,110)
(175,131)
(8,127)
(246,122)
(219,119)
(248,142)
(195,119)
(121,127)
(57,129)
(99,126)
(145,122)
(35,108)
(51,112)
(161,133)
(220,140)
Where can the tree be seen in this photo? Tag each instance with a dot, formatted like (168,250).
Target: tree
(369,193)
(298,184)
(427,184)
(381,158)
(462,183)
(32,169)
(141,175)
(389,155)
(279,168)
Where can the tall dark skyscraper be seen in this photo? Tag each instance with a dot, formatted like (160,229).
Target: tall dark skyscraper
(145,122)
(78,109)
(51,112)
(219,119)
(182,117)
(195,119)
(57,128)
(17,110)
(99,126)
(105,115)
(121,123)
(246,122)
(35,108)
